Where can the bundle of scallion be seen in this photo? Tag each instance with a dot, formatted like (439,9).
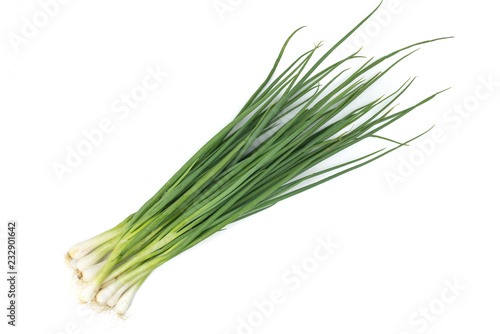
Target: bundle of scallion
(289,125)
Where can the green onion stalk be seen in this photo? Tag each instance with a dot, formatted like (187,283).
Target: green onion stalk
(263,156)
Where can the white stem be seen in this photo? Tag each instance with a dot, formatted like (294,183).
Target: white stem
(124,302)
(91,272)
(114,299)
(104,294)
(89,260)
(88,292)
(80,250)
(108,283)
(83,248)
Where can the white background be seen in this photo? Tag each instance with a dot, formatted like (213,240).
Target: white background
(398,245)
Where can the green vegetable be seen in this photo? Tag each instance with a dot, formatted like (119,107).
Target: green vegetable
(289,125)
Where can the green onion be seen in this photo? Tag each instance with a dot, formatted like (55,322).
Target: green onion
(288,126)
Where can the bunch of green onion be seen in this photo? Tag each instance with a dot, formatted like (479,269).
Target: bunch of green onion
(288,126)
